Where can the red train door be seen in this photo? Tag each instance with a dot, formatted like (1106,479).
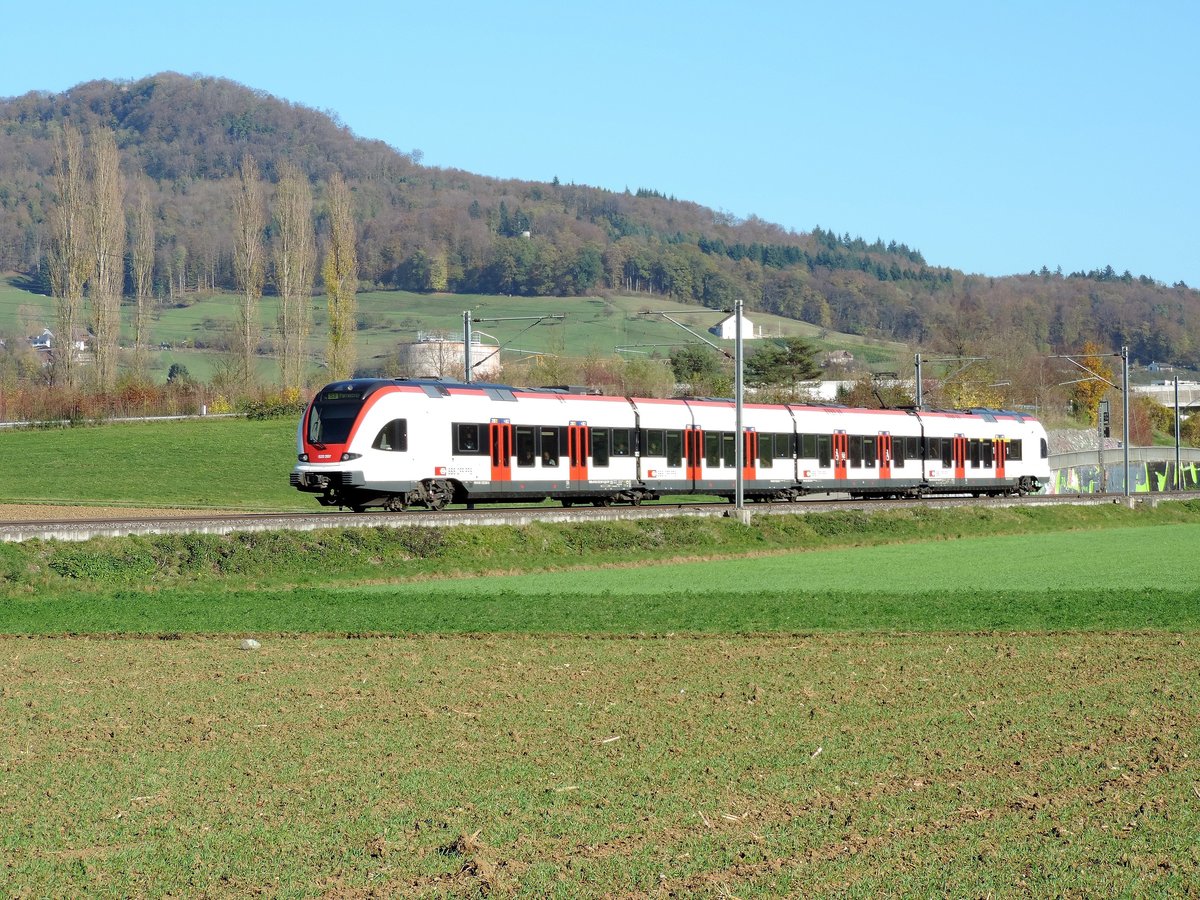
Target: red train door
(577,451)
(885,455)
(693,452)
(960,456)
(1001,456)
(500,445)
(749,455)
(841,453)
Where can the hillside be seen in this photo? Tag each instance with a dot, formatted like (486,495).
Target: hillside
(196,334)
(426,229)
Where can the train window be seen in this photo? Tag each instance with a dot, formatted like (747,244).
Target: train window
(674,451)
(869,452)
(766,450)
(856,451)
(912,448)
(783,446)
(620,442)
(824,449)
(898,452)
(1014,449)
(549,442)
(808,446)
(947,452)
(653,442)
(729,450)
(393,436)
(526,445)
(600,443)
(989,454)
(467,440)
(330,422)
(712,449)
(1045,449)
(976,452)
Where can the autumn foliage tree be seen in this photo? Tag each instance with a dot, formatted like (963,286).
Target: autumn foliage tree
(68,249)
(340,272)
(295,254)
(142,256)
(106,245)
(249,263)
(1095,379)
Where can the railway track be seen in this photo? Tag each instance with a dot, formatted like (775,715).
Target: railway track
(77,525)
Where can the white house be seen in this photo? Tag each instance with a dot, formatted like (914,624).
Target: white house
(45,341)
(727,329)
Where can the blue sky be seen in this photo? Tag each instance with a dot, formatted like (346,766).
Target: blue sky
(994,137)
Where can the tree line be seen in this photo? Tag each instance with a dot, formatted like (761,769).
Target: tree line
(99,245)
(438,230)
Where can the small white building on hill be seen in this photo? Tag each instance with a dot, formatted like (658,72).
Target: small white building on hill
(727,329)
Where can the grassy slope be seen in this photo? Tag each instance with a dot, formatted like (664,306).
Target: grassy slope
(592,325)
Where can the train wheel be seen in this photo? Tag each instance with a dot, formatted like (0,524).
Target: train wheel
(437,494)
(636,500)
(567,504)
(603,501)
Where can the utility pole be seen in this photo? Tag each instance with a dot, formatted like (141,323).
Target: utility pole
(968,360)
(739,445)
(1094,376)
(1178,471)
(739,448)
(1125,411)
(467,346)
(467,335)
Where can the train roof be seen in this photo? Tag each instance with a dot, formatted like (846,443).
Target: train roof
(364,387)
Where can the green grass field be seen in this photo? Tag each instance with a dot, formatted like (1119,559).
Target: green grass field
(592,326)
(921,702)
(229,463)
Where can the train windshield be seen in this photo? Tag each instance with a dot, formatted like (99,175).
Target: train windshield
(332,417)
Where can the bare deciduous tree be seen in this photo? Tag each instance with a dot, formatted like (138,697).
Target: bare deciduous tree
(295,259)
(340,272)
(248,262)
(68,257)
(106,244)
(143,275)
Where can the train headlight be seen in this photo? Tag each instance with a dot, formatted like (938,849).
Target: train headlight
(346,457)
(303,457)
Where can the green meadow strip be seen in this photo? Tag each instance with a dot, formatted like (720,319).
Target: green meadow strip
(582,580)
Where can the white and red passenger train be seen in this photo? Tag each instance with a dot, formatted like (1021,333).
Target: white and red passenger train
(426,442)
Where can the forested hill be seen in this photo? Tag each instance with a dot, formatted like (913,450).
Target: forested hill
(429,229)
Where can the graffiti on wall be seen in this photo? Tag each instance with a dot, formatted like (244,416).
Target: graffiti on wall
(1144,477)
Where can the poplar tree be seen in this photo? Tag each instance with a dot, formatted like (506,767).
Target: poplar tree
(249,266)
(143,275)
(295,260)
(68,257)
(340,272)
(106,233)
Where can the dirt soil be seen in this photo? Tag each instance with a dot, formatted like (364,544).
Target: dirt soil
(42,512)
(748,766)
